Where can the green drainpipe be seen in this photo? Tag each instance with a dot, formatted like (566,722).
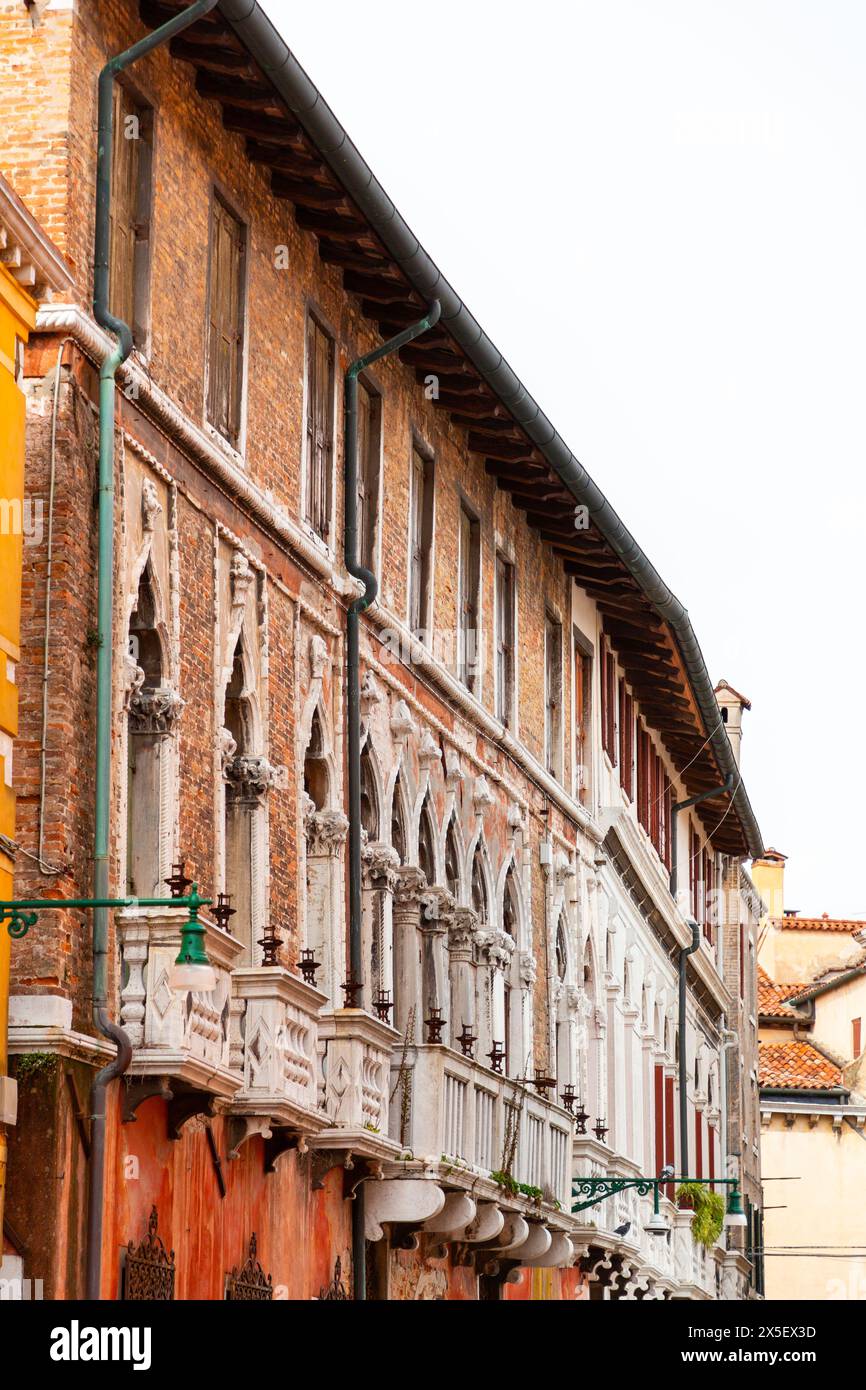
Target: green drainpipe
(353,704)
(105,586)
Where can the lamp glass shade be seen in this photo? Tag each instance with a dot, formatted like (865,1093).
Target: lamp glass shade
(657,1225)
(735,1216)
(187,976)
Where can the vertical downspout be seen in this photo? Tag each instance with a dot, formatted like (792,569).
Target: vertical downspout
(353,702)
(105,584)
(727,786)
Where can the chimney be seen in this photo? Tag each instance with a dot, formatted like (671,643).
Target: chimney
(731,704)
(768,876)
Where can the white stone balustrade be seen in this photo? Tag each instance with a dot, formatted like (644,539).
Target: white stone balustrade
(355,1056)
(448,1107)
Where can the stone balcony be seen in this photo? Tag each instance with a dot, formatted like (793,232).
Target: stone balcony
(355,1057)
(273,1045)
(184,1038)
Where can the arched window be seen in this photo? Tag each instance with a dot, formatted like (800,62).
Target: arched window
(427,843)
(515,1061)
(316,780)
(369,798)
(398,823)
(561,951)
(241,806)
(147,749)
(479,887)
(509,905)
(452,862)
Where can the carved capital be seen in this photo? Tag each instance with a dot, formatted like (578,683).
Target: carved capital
(437,910)
(461,930)
(528,969)
(154,711)
(326,831)
(495,947)
(251,778)
(382,864)
(410,888)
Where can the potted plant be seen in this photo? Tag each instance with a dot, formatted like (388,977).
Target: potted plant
(708,1208)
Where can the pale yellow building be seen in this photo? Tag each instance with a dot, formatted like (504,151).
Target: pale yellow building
(812,1021)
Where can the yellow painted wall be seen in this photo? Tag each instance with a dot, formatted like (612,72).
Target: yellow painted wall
(17,318)
(823,1207)
(796,957)
(835,1012)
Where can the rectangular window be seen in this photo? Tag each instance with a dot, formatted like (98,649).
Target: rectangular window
(369,467)
(225,362)
(131,159)
(319,428)
(505,640)
(709,894)
(582,719)
(695,866)
(608,701)
(420,540)
(468,634)
(553,696)
(644,756)
(856,1031)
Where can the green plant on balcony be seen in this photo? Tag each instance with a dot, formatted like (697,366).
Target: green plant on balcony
(708,1208)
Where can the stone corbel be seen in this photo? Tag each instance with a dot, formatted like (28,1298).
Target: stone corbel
(429,752)
(453,771)
(244,1127)
(150,505)
(320,658)
(408,1202)
(486,1225)
(240,578)
(371,693)
(528,969)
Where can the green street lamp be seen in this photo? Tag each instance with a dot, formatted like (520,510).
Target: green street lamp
(192,971)
(598,1189)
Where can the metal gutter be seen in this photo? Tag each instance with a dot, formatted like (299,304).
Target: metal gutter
(279,65)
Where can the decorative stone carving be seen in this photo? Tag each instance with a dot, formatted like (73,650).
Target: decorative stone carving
(320,659)
(402,723)
(154,711)
(133,679)
(326,832)
(382,864)
(150,504)
(495,947)
(453,770)
(411,887)
(437,908)
(371,692)
(482,796)
(462,929)
(240,577)
(429,752)
(528,969)
(249,779)
(516,818)
(227,748)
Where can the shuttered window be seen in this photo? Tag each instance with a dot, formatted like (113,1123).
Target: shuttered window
(225,363)
(608,701)
(553,695)
(420,540)
(319,429)
(504,640)
(468,635)
(129,291)
(626,740)
(582,719)
(369,454)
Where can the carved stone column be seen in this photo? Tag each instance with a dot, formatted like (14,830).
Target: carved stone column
(436,916)
(152,720)
(494,949)
(381,865)
(461,969)
(408,893)
(326,834)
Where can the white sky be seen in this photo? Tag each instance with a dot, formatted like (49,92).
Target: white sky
(658,213)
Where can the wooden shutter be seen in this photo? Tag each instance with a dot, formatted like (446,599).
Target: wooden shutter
(504,639)
(320,451)
(468,599)
(125,175)
(553,692)
(417,618)
(369,417)
(225,313)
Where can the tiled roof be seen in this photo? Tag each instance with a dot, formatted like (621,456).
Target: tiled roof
(825,923)
(796,1066)
(772,997)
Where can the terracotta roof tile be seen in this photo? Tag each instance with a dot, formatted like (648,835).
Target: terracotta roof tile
(772,997)
(796,1066)
(825,923)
